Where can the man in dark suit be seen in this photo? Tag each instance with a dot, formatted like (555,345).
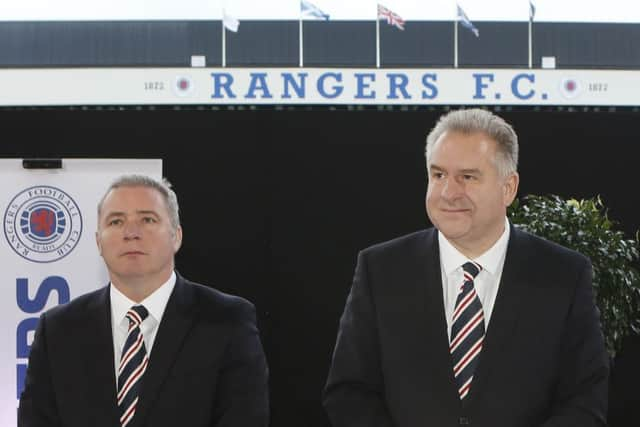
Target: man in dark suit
(473,322)
(152,348)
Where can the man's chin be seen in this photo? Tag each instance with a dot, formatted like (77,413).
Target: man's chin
(454,235)
(454,229)
(453,224)
(128,275)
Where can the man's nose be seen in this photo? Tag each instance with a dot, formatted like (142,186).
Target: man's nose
(452,188)
(131,230)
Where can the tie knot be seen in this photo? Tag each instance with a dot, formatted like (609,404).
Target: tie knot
(472,269)
(137,314)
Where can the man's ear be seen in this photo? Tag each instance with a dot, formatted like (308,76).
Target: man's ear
(177,239)
(98,243)
(510,188)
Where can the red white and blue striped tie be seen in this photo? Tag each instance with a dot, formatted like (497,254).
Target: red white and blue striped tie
(467,331)
(133,363)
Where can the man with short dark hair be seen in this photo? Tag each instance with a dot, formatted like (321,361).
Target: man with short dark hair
(152,348)
(472,322)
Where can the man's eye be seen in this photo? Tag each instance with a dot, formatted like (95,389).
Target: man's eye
(148,220)
(437,175)
(115,222)
(469,177)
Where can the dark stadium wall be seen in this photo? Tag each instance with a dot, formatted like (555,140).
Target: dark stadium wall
(166,43)
(276,204)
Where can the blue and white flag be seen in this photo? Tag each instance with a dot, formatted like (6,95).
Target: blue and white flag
(532,10)
(309,10)
(230,22)
(464,20)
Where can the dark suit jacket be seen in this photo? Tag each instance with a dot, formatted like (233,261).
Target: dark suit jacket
(207,366)
(543,361)
(624,399)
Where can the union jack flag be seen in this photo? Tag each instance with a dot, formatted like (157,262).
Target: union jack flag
(391,18)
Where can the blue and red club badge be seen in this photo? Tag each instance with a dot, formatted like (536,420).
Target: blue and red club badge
(183,86)
(570,87)
(42,224)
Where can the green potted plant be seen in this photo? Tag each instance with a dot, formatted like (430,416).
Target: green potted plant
(583,225)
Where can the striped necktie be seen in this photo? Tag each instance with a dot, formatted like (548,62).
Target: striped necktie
(467,331)
(133,363)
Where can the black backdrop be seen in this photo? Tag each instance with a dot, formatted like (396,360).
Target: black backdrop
(275,204)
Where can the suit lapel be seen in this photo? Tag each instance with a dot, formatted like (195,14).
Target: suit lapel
(99,368)
(176,322)
(431,340)
(504,318)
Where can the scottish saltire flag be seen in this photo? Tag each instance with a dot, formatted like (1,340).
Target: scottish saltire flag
(391,18)
(532,10)
(310,10)
(230,22)
(464,20)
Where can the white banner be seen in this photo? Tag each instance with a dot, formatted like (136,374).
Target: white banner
(318,86)
(48,250)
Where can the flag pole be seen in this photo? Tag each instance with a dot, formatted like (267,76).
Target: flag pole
(530,43)
(455,42)
(301,41)
(377,40)
(224,46)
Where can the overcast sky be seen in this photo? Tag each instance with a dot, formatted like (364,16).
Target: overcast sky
(476,10)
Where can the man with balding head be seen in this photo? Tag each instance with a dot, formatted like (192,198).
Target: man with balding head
(471,322)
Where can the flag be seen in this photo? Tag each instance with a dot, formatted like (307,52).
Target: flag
(309,10)
(229,22)
(392,18)
(464,20)
(532,10)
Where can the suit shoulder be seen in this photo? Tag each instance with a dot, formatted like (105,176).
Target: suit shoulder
(77,307)
(409,242)
(213,301)
(551,251)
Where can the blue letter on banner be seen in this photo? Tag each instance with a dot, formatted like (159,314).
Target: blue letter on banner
(398,82)
(361,85)
(222,81)
(258,82)
(27,305)
(48,285)
(516,81)
(337,90)
(433,89)
(481,85)
(289,81)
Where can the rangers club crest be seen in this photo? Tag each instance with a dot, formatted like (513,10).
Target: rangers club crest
(570,87)
(183,86)
(42,224)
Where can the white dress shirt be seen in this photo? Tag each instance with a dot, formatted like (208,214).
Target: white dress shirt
(155,305)
(487,281)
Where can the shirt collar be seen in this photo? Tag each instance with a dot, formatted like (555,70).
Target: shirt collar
(154,303)
(451,258)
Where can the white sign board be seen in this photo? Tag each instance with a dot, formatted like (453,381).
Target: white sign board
(317,86)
